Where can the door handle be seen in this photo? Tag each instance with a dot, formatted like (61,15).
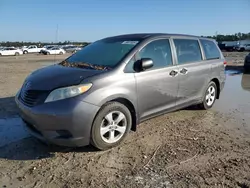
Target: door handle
(183,71)
(173,73)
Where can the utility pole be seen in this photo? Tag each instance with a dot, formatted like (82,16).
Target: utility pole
(56,40)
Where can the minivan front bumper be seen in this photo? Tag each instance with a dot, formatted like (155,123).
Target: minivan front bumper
(66,122)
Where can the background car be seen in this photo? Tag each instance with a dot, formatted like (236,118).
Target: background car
(229,46)
(247,63)
(243,45)
(72,49)
(54,51)
(10,51)
(43,51)
(32,49)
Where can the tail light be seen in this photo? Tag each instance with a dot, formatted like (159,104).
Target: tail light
(225,63)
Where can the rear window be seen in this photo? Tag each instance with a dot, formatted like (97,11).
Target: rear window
(210,49)
(187,50)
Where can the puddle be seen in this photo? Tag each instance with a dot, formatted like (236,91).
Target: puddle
(235,97)
(11,130)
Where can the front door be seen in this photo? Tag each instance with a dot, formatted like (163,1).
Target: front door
(157,87)
(32,49)
(193,71)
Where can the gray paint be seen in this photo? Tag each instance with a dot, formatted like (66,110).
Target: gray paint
(151,93)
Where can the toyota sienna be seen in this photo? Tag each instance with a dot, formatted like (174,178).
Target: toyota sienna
(100,93)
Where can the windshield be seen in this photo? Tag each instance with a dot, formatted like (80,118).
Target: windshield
(106,53)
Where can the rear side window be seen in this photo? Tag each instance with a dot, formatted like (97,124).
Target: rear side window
(187,50)
(210,49)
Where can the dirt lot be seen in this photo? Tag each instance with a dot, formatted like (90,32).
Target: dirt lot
(188,148)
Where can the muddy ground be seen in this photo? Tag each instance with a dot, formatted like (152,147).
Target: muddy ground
(187,148)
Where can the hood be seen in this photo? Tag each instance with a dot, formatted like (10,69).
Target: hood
(56,76)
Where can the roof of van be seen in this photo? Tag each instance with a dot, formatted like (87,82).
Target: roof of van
(148,35)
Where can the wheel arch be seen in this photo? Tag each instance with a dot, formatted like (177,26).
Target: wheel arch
(131,108)
(217,82)
(128,103)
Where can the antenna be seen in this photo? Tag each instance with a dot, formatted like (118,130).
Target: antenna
(56,40)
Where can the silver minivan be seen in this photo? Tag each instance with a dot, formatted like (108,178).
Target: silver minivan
(100,93)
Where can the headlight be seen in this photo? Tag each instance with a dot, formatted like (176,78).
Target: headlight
(67,92)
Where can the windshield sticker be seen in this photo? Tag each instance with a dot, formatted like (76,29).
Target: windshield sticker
(130,42)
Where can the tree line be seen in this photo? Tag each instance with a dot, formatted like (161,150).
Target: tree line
(219,38)
(233,37)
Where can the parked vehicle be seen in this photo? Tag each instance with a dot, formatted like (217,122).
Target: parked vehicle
(10,51)
(247,63)
(230,45)
(32,49)
(222,46)
(54,50)
(103,91)
(72,49)
(243,45)
(43,51)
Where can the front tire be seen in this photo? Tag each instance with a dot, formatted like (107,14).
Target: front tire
(16,54)
(246,68)
(209,97)
(111,125)
(242,49)
(25,52)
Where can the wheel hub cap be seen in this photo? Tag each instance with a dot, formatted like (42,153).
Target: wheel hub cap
(210,96)
(113,127)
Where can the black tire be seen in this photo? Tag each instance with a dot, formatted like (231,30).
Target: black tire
(242,49)
(204,105)
(16,54)
(61,53)
(25,51)
(246,68)
(96,138)
(47,53)
(0,54)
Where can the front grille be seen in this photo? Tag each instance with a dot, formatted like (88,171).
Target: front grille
(32,97)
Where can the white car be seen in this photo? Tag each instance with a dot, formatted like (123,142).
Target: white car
(10,51)
(54,51)
(32,49)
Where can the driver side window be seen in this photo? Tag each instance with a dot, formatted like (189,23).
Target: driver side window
(159,51)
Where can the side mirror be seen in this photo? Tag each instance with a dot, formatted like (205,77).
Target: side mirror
(143,64)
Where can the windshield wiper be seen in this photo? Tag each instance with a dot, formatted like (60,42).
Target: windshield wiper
(84,65)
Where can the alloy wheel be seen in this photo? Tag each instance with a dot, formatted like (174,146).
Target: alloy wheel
(113,127)
(210,96)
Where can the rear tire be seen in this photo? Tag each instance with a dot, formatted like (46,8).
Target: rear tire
(0,54)
(209,96)
(47,53)
(16,54)
(242,49)
(111,125)
(61,53)
(25,52)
